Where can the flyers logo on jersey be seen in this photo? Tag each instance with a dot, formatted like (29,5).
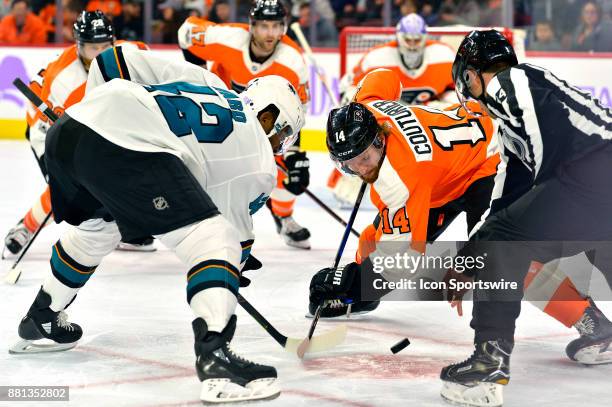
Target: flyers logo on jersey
(410,127)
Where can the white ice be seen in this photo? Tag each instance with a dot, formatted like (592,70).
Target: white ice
(137,348)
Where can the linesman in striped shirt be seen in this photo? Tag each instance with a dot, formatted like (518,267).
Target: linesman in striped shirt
(553,200)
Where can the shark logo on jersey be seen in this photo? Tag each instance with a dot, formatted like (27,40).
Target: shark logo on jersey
(160,203)
(257,203)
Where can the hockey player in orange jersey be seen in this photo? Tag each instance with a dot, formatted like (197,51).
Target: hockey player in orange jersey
(62,84)
(425,166)
(424,68)
(238,53)
(422,65)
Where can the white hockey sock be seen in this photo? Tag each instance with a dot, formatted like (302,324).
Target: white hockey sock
(215,305)
(61,295)
(212,250)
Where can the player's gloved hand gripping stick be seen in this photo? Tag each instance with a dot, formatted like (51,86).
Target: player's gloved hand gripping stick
(15,272)
(304,346)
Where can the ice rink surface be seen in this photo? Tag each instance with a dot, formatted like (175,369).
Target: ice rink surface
(137,348)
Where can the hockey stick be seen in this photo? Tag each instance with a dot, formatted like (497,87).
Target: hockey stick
(35,100)
(323,205)
(319,343)
(308,52)
(303,347)
(14,273)
(330,211)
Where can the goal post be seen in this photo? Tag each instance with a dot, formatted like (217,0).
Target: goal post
(356,41)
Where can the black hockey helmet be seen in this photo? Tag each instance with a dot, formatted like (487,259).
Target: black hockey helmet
(479,50)
(351,129)
(272,10)
(93,27)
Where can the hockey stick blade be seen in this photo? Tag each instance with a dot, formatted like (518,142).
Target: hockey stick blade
(13,275)
(323,342)
(318,343)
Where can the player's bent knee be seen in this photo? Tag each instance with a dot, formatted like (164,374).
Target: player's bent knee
(212,238)
(88,243)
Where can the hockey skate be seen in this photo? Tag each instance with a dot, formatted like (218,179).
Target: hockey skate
(226,377)
(17,238)
(338,309)
(293,234)
(138,245)
(479,380)
(44,330)
(594,345)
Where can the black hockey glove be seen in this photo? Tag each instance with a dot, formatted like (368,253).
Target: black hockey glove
(251,263)
(298,175)
(341,283)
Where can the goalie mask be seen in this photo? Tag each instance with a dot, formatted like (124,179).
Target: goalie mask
(411,33)
(274,90)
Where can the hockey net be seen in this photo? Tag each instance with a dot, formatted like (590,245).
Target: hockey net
(355,41)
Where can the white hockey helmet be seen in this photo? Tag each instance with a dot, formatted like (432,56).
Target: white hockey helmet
(411,33)
(277,91)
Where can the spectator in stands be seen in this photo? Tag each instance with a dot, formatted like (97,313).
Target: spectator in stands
(465,12)
(21,26)
(544,38)
(5,7)
(429,13)
(592,34)
(129,25)
(346,13)
(71,9)
(326,33)
(565,15)
(112,8)
(172,18)
(491,14)
(220,12)
(196,8)
(369,12)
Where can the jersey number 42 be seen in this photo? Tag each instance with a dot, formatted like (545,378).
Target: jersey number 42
(210,122)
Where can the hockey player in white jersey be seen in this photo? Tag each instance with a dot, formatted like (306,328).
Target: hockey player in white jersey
(186,161)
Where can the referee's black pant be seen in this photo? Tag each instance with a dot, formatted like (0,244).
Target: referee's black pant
(563,216)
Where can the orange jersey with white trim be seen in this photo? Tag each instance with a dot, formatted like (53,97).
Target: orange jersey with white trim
(60,85)
(227,46)
(428,82)
(432,156)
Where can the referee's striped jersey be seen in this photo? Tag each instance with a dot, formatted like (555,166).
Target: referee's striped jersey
(544,122)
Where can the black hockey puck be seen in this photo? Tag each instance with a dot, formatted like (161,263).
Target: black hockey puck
(400,345)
